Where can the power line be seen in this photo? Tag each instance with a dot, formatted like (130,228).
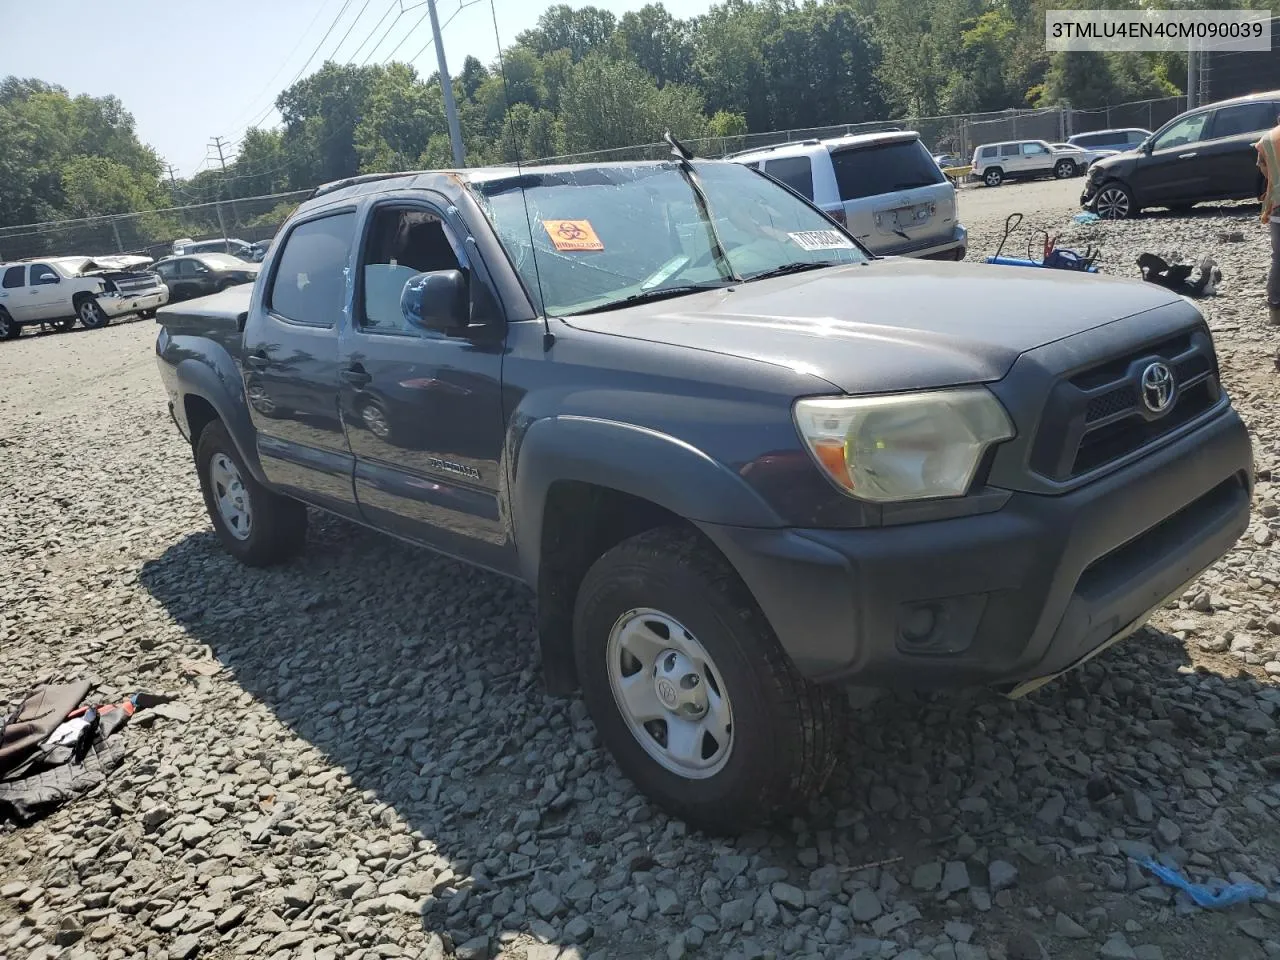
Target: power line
(356,52)
(427,46)
(354,21)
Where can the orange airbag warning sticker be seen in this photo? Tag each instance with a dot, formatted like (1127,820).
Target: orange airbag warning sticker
(572,234)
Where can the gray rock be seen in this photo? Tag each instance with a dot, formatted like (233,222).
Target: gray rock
(578,930)
(734,913)
(1064,926)
(955,877)
(1117,948)
(1001,875)
(927,876)
(865,905)
(1051,812)
(546,904)
(890,922)
(960,932)
(477,948)
(787,895)
(766,909)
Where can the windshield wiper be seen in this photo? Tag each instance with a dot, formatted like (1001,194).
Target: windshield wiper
(648,296)
(684,163)
(798,267)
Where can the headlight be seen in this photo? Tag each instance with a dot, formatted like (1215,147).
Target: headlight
(907,446)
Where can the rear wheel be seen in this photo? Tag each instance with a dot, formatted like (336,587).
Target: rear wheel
(9,329)
(257,527)
(1115,202)
(690,689)
(1064,169)
(993,177)
(91,314)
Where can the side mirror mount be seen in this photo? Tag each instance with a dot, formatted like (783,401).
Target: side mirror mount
(1147,147)
(437,301)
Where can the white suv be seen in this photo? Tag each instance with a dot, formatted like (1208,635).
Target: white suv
(60,290)
(884,187)
(994,163)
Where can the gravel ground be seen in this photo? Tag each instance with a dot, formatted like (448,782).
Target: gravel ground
(362,762)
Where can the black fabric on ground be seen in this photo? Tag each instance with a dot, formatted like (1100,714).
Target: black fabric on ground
(38,793)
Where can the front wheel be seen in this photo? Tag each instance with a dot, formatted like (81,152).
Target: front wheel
(91,314)
(690,690)
(257,527)
(9,329)
(1064,169)
(993,177)
(1115,202)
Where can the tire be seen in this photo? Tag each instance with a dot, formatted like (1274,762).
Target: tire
(9,329)
(274,527)
(91,315)
(1115,201)
(771,734)
(993,177)
(1064,169)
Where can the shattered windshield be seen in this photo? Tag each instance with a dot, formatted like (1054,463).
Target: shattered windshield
(605,236)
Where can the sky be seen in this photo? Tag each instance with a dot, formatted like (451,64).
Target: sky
(190,72)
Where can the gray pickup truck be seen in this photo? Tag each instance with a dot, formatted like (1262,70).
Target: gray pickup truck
(743,463)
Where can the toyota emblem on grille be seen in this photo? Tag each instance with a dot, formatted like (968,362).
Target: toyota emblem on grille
(1157,387)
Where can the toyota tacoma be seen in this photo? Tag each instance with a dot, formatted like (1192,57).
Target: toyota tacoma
(742,462)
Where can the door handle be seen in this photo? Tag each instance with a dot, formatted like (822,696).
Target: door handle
(1186,156)
(356,376)
(257,360)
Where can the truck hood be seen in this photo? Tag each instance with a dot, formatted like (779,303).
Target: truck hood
(892,324)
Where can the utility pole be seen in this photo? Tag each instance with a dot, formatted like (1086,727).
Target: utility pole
(446,84)
(173,178)
(217,144)
(1193,73)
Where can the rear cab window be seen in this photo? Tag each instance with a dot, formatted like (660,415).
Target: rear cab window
(309,285)
(795,172)
(884,168)
(13,277)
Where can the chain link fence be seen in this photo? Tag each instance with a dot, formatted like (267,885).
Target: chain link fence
(1224,74)
(151,233)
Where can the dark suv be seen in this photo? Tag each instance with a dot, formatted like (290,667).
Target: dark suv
(741,461)
(1204,154)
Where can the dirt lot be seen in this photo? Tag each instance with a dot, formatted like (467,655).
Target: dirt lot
(363,763)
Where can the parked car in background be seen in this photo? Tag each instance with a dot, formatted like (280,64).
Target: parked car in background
(204,273)
(1204,154)
(258,251)
(1120,139)
(740,468)
(237,248)
(946,160)
(884,187)
(1090,156)
(994,163)
(58,291)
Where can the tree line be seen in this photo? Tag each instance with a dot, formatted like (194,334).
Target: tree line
(585,80)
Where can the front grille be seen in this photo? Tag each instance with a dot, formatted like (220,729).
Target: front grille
(1097,416)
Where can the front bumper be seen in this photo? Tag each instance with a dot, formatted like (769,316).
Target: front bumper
(117,304)
(1021,593)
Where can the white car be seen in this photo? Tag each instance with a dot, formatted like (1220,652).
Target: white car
(884,188)
(1090,156)
(994,163)
(58,291)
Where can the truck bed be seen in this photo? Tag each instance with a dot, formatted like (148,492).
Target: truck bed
(219,316)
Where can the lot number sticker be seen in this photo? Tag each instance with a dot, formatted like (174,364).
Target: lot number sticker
(572,234)
(821,240)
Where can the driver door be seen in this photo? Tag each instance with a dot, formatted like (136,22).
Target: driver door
(1178,169)
(47,296)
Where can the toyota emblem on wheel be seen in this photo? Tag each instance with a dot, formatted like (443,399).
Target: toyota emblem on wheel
(1157,387)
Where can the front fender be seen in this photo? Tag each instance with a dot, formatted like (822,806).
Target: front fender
(636,460)
(203,368)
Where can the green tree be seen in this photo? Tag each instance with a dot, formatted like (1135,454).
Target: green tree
(561,27)
(613,103)
(399,119)
(659,43)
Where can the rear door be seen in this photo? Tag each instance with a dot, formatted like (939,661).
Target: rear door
(1177,170)
(290,362)
(896,199)
(423,410)
(1011,159)
(1229,148)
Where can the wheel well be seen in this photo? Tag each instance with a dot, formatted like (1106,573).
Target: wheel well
(80,297)
(200,414)
(580,523)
